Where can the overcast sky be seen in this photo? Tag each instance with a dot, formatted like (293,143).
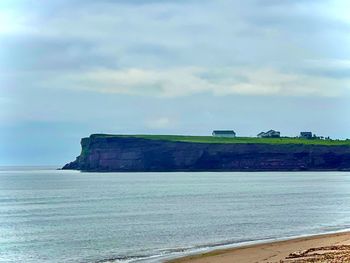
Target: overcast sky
(69,68)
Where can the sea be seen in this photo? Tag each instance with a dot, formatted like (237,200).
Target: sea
(49,215)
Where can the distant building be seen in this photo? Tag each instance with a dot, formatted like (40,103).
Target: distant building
(269,134)
(224,133)
(306,135)
(261,134)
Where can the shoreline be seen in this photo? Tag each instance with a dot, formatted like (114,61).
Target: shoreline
(333,246)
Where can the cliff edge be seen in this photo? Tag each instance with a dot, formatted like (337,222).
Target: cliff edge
(107,153)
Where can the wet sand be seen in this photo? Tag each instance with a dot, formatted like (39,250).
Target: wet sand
(330,248)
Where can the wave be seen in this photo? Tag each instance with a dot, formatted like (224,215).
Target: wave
(171,253)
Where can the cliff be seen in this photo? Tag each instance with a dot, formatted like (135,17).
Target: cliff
(135,154)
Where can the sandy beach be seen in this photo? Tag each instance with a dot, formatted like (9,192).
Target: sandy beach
(330,248)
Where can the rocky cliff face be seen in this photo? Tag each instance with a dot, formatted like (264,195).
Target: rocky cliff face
(130,154)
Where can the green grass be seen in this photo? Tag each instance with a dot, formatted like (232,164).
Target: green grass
(211,139)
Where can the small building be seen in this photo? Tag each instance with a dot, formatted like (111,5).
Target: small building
(269,134)
(224,133)
(261,134)
(306,135)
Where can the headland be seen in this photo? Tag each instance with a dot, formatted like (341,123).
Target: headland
(174,153)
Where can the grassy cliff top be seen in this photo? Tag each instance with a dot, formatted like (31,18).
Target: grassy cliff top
(211,139)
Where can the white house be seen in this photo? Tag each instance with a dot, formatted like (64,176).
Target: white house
(224,133)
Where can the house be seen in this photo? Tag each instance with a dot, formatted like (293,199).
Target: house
(306,135)
(224,133)
(261,134)
(269,134)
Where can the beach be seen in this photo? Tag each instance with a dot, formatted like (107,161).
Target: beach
(330,248)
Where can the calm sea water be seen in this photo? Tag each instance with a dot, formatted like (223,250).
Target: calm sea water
(68,216)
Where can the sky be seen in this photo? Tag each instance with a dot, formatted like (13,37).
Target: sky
(70,68)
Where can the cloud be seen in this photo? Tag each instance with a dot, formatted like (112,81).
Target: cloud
(331,68)
(176,48)
(41,53)
(189,81)
(161,34)
(159,123)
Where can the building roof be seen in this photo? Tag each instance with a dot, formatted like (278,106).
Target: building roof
(269,133)
(272,131)
(224,132)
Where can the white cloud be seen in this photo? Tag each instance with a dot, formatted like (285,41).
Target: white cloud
(14,23)
(159,123)
(188,81)
(329,63)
